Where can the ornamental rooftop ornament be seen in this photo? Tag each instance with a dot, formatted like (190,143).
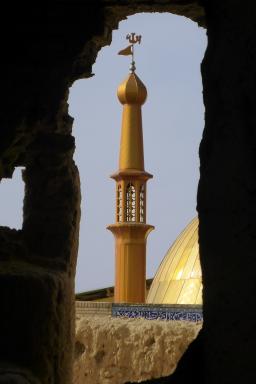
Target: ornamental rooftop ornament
(133,39)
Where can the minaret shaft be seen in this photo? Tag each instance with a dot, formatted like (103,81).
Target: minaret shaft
(131,147)
(130,229)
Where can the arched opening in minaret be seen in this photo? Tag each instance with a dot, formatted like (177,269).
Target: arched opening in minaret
(11,200)
(119,203)
(168,61)
(142,203)
(130,202)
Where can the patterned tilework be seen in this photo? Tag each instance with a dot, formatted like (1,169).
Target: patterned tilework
(161,312)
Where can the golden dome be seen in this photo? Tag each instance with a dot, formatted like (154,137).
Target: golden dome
(132,90)
(179,278)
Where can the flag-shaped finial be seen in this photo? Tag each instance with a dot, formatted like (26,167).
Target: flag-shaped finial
(133,39)
(126,51)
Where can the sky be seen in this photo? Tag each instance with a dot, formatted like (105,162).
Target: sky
(168,62)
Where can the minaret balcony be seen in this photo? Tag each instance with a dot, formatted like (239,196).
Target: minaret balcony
(128,174)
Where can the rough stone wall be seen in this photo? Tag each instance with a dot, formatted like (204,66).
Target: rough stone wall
(227,214)
(36,275)
(46,47)
(50,46)
(113,350)
(38,263)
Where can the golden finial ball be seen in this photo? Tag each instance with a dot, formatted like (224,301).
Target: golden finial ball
(132,91)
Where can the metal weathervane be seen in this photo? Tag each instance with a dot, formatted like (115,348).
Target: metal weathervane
(133,39)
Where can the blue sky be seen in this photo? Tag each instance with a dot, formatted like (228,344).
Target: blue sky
(168,62)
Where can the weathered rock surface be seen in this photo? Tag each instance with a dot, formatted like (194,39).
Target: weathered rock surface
(113,351)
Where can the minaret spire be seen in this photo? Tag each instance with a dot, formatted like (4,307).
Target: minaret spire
(130,229)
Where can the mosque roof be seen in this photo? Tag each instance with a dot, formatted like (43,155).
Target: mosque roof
(103,294)
(179,278)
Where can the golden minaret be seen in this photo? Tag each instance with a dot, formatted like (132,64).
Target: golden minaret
(130,229)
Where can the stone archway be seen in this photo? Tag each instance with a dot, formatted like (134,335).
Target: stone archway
(54,45)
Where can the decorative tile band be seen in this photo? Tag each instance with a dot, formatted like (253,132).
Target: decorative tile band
(147,311)
(162,312)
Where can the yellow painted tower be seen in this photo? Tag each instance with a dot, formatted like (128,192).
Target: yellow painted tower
(130,229)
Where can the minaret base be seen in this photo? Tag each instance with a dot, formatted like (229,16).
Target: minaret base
(130,273)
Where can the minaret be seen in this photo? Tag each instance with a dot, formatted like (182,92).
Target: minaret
(130,229)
